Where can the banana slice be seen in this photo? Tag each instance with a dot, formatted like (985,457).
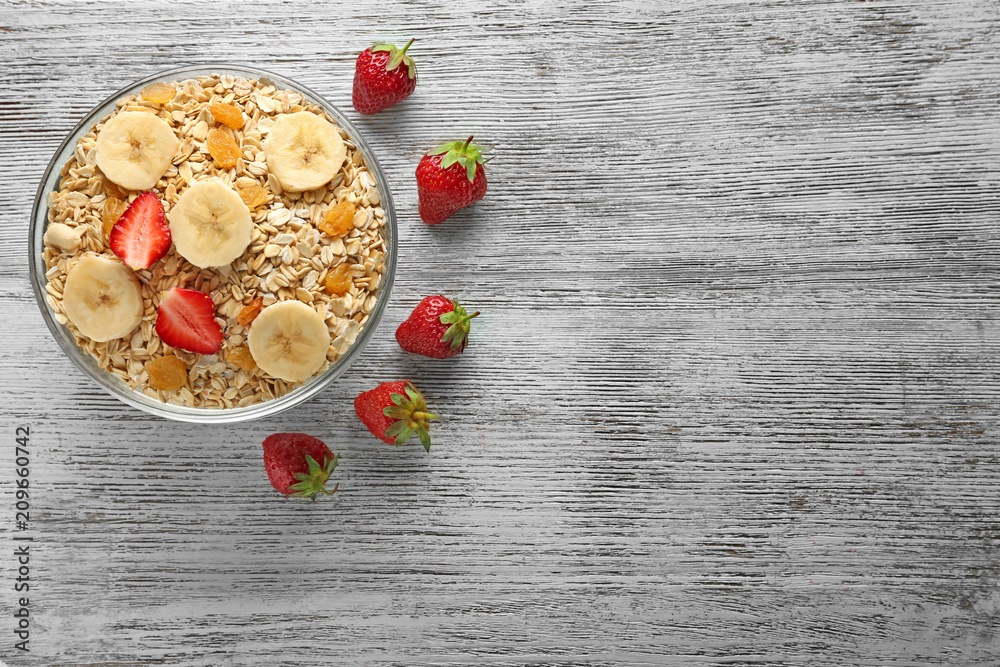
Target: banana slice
(134,149)
(210,224)
(289,340)
(304,151)
(102,298)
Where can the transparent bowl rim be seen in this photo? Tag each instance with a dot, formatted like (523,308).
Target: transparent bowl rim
(110,382)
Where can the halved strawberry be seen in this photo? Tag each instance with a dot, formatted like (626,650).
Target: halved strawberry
(186,320)
(141,235)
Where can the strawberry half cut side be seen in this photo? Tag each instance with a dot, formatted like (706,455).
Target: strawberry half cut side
(186,320)
(141,236)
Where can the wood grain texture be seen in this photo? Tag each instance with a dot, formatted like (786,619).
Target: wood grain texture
(733,398)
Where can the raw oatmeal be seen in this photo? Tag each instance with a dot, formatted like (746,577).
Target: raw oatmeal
(289,256)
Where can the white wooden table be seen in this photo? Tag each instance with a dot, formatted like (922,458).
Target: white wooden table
(733,398)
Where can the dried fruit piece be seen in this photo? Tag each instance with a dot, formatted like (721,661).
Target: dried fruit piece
(250,311)
(338,280)
(223,148)
(227,114)
(110,212)
(339,219)
(253,196)
(167,373)
(241,358)
(158,92)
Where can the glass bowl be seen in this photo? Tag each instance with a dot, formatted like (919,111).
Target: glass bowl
(112,383)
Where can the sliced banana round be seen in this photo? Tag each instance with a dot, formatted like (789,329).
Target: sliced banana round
(303,151)
(210,225)
(135,148)
(102,298)
(289,340)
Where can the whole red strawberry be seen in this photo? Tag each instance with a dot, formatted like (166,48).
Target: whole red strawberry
(379,81)
(449,178)
(438,327)
(393,411)
(298,464)
(141,236)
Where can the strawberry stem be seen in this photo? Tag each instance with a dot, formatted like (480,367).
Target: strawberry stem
(410,415)
(313,482)
(459,324)
(403,50)
(466,144)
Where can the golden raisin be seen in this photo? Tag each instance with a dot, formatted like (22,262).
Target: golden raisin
(167,373)
(249,312)
(158,92)
(227,114)
(338,280)
(223,148)
(339,219)
(241,358)
(253,196)
(111,211)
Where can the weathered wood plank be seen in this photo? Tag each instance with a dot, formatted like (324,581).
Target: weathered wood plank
(733,398)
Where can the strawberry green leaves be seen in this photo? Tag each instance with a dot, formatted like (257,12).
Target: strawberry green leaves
(449,178)
(411,414)
(398,57)
(380,81)
(438,328)
(312,482)
(393,411)
(458,332)
(291,463)
(464,153)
